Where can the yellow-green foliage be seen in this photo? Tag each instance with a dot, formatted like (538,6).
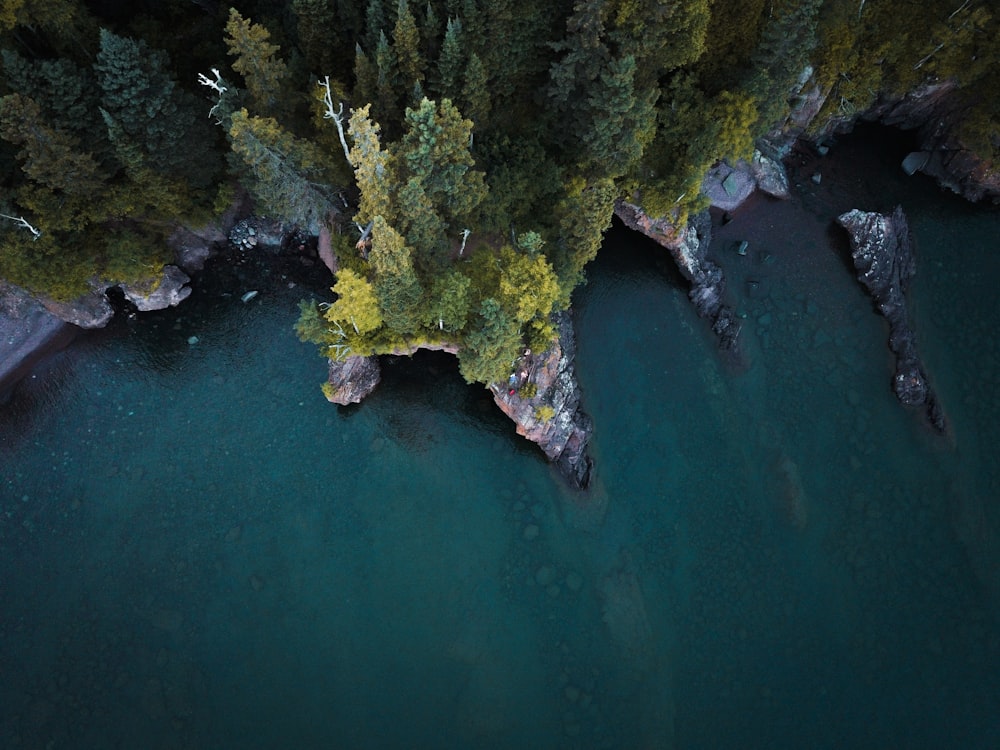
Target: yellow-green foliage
(544,413)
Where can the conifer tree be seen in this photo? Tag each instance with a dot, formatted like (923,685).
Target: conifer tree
(356,308)
(371,168)
(315,22)
(450,297)
(284,174)
(430,33)
(406,45)
(395,280)
(450,63)
(476,93)
(387,75)
(256,59)
(365,77)
(376,22)
(148,117)
(49,157)
(435,150)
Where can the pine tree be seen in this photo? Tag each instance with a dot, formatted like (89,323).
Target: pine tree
(435,150)
(430,33)
(621,125)
(387,72)
(48,156)
(371,168)
(365,78)
(421,224)
(450,63)
(406,45)
(257,61)
(450,298)
(356,308)
(283,174)
(476,92)
(376,22)
(395,280)
(493,343)
(151,122)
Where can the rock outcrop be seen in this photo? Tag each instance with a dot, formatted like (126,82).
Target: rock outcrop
(168,290)
(352,379)
(728,186)
(934,111)
(883,256)
(551,416)
(688,248)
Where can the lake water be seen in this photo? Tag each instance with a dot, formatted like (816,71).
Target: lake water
(198,551)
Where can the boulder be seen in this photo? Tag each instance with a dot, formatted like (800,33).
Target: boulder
(92,310)
(167,290)
(728,186)
(352,379)
(881,247)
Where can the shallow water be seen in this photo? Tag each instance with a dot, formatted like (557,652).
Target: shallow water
(196,550)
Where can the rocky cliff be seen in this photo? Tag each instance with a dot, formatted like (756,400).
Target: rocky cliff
(688,247)
(548,412)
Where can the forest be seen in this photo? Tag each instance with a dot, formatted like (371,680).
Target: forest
(462,157)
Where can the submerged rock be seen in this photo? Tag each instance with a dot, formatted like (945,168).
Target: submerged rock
(689,247)
(552,417)
(352,379)
(883,256)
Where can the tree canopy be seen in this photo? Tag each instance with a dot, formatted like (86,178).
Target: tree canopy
(485,142)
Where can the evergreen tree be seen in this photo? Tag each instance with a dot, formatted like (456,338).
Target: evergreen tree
(406,45)
(151,122)
(476,93)
(49,157)
(356,309)
(450,298)
(491,346)
(371,168)
(430,33)
(387,75)
(365,77)
(283,174)
(450,63)
(435,151)
(316,21)
(256,59)
(395,280)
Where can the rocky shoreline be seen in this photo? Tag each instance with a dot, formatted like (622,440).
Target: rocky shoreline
(31,327)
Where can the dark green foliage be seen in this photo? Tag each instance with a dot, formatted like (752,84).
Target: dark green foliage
(148,116)
(488,140)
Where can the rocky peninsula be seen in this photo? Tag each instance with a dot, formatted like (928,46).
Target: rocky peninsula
(882,249)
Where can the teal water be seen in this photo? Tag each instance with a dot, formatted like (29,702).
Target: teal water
(196,550)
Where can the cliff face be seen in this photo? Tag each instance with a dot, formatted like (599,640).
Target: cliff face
(934,111)
(688,248)
(552,417)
